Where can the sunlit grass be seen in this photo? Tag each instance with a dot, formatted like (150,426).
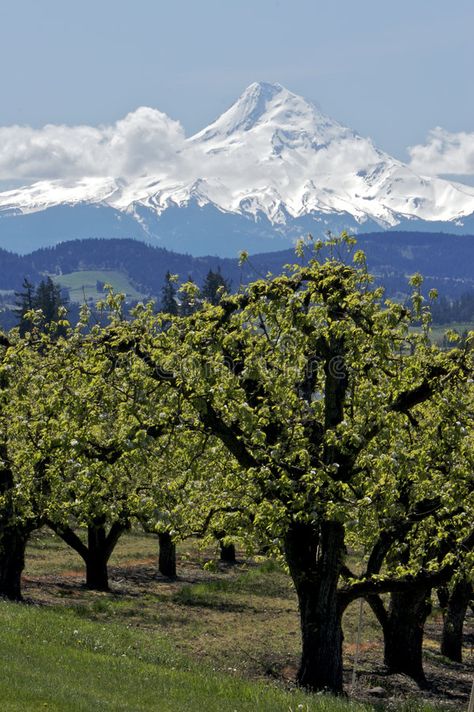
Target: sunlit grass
(83,284)
(56,661)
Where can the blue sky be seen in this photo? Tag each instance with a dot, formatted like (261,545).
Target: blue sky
(392,71)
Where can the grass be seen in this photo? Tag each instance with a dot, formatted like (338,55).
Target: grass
(254,581)
(83,284)
(220,617)
(56,661)
(228,637)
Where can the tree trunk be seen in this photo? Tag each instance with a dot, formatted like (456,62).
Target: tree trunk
(458,601)
(98,551)
(97,575)
(227,553)
(443,596)
(13,536)
(314,559)
(167,556)
(403,633)
(12,561)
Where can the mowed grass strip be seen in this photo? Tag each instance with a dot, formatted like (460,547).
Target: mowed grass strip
(51,660)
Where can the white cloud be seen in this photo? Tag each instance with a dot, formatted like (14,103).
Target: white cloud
(141,142)
(444,153)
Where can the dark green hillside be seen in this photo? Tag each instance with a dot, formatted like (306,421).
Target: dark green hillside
(446,262)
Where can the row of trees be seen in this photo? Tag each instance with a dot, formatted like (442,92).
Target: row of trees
(301,415)
(49,298)
(446,311)
(186,301)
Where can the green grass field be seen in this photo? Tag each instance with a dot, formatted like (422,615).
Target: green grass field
(224,640)
(53,660)
(83,285)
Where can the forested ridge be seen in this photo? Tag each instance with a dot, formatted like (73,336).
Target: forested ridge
(301,416)
(446,261)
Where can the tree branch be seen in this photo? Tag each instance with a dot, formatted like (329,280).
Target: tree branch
(69,536)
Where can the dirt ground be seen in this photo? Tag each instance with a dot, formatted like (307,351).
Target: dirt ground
(241,619)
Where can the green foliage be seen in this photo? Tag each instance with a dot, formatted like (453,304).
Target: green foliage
(249,365)
(190,298)
(303,404)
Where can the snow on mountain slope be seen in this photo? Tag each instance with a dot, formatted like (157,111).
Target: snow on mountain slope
(274,146)
(272,154)
(47,194)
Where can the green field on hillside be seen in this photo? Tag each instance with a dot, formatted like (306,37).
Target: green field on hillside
(82,285)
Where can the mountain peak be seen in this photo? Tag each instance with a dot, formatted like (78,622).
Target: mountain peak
(249,108)
(262,90)
(271,154)
(255,102)
(264,103)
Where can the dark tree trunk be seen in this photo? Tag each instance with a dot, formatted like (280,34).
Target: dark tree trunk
(167,555)
(12,561)
(443,596)
(98,551)
(378,609)
(403,633)
(13,536)
(97,575)
(100,546)
(315,560)
(458,601)
(227,553)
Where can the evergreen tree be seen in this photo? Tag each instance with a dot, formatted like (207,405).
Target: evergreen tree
(214,287)
(25,303)
(47,297)
(169,302)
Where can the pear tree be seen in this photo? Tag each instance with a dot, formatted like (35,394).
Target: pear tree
(299,377)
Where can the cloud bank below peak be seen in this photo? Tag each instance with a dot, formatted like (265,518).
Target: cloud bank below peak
(444,153)
(144,141)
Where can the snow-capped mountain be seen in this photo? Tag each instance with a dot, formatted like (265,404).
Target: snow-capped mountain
(271,167)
